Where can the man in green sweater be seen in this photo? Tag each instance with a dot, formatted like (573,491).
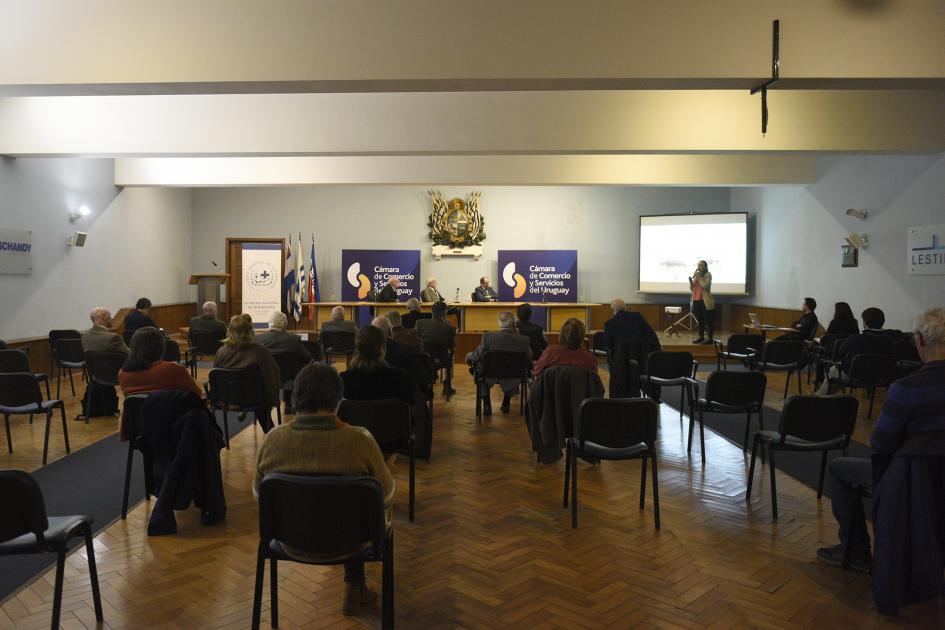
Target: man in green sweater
(317,442)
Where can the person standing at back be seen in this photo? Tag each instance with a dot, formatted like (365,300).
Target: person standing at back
(140,317)
(703,304)
(626,324)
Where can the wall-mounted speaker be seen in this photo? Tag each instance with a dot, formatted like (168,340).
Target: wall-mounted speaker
(77,239)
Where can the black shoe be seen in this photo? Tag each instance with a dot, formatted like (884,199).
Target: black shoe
(506,403)
(698,341)
(833,556)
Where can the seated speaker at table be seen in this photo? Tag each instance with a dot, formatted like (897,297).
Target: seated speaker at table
(389,292)
(484,292)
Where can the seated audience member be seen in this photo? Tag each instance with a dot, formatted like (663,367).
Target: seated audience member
(401,335)
(317,442)
(240,351)
(145,371)
(278,339)
(806,326)
(912,415)
(843,322)
(568,351)
(370,376)
(505,339)
(484,292)
(535,334)
(413,314)
(207,321)
(873,340)
(338,323)
(99,338)
(625,325)
(389,292)
(437,330)
(140,317)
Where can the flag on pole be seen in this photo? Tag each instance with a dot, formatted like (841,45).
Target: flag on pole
(313,281)
(300,275)
(288,280)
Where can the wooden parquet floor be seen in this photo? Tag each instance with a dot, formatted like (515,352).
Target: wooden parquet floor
(492,547)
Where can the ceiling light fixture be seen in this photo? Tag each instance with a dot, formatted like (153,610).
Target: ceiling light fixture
(775,74)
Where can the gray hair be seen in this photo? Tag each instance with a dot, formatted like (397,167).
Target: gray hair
(209,308)
(383,323)
(338,313)
(98,314)
(931,325)
(506,319)
(278,320)
(413,304)
(430,281)
(394,318)
(617,305)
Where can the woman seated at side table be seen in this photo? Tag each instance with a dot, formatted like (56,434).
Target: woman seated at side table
(144,371)
(568,350)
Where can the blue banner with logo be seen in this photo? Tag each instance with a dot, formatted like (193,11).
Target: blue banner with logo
(367,270)
(538,275)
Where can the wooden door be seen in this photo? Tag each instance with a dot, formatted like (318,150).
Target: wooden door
(234,267)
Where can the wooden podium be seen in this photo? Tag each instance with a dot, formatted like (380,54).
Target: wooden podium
(208,287)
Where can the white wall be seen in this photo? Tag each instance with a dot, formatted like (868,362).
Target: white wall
(800,230)
(600,222)
(138,244)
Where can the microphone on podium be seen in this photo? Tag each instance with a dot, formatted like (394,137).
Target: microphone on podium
(214,263)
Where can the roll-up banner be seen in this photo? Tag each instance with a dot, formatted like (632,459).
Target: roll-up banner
(262,281)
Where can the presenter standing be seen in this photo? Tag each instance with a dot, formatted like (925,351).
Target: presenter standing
(703,304)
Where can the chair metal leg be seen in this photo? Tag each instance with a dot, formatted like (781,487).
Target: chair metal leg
(787,382)
(124,495)
(412,482)
(71,382)
(148,476)
(567,472)
(799,392)
(48,394)
(656,492)
(65,426)
(692,424)
(751,468)
(93,574)
(682,400)
(274,592)
(574,499)
(774,485)
(57,592)
(643,484)
(872,394)
(226,429)
(823,470)
(702,435)
(257,594)
(387,585)
(747,429)
(58,379)
(46,441)
(761,417)
(6,421)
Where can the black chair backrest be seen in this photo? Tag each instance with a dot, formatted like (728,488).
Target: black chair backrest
(389,421)
(289,365)
(13,361)
(739,343)
(56,335)
(171,351)
(3,344)
(127,335)
(438,352)
(204,341)
(634,350)
(599,341)
(314,348)
(819,418)
(337,340)
(617,423)
(502,364)
(426,367)
(872,368)
(17,390)
(70,350)
(243,388)
(904,350)
(131,410)
(783,352)
(831,341)
(330,515)
(663,364)
(103,367)
(736,388)
(24,510)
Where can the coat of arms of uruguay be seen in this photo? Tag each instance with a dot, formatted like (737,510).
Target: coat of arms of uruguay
(456,224)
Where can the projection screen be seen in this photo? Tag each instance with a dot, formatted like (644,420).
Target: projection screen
(671,246)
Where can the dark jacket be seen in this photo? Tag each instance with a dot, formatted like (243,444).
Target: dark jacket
(283,341)
(253,356)
(387,294)
(867,342)
(183,443)
(553,407)
(843,327)
(208,323)
(437,331)
(381,383)
(536,336)
(410,318)
(506,340)
(628,325)
(136,319)
(339,325)
(806,326)
(486,294)
(406,336)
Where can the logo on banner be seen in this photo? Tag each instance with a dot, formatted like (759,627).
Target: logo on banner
(515,281)
(261,275)
(358,280)
(927,250)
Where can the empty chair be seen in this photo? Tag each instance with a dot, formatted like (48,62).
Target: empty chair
(609,429)
(728,392)
(665,369)
(869,371)
(500,365)
(202,343)
(391,424)
(54,337)
(739,347)
(782,356)
(102,369)
(599,344)
(322,520)
(68,356)
(337,343)
(289,365)
(26,529)
(171,351)
(20,395)
(240,390)
(14,361)
(808,424)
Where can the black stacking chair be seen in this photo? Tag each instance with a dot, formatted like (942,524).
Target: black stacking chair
(391,424)
(427,367)
(782,356)
(824,354)
(131,421)
(728,392)
(808,424)
(907,358)
(739,347)
(68,356)
(54,337)
(314,348)
(171,351)
(335,517)
(102,369)
(20,395)
(869,371)
(15,362)
(666,369)
(614,429)
(599,344)
(337,343)
(289,367)
(240,390)
(202,344)
(26,529)
(442,362)
(499,364)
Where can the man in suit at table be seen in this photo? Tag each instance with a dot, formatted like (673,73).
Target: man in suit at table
(432,294)
(413,314)
(484,292)
(506,339)
(389,292)
(338,323)
(99,338)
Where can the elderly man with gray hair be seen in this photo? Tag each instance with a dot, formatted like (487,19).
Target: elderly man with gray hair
(911,425)
(506,339)
(282,342)
(207,321)
(338,323)
(99,337)
(413,314)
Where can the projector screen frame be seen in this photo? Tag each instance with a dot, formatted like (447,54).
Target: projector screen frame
(749,249)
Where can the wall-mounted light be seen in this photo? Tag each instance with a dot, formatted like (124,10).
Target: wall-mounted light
(859,213)
(77,213)
(858,241)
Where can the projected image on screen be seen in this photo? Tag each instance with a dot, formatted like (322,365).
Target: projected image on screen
(671,245)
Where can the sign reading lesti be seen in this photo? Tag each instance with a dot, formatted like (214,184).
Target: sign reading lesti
(926,250)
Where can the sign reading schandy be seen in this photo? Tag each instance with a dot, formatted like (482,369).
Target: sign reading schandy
(16,248)
(370,269)
(926,250)
(262,281)
(538,275)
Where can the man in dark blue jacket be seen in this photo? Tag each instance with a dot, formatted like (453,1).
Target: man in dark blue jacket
(627,325)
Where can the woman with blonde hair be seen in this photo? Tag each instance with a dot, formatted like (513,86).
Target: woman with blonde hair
(240,351)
